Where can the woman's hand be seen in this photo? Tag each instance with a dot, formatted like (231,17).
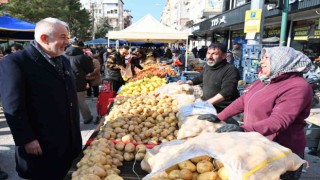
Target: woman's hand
(230,128)
(209,117)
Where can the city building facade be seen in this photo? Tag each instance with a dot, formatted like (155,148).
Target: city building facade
(111,9)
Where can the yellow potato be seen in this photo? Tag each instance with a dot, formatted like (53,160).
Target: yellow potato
(208,176)
(129,148)
(128,156)
(187,165)
(186,174)
(195,175)
(139,156)
(174,167)
(204,166)
(200,158)
(113,177)
(218,164)
(174,174)
(141,148)
(120,146)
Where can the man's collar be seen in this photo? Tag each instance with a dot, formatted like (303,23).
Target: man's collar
(40,49)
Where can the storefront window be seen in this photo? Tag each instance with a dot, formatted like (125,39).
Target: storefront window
(271,36)
(306,37)
(238,37)
(241,2)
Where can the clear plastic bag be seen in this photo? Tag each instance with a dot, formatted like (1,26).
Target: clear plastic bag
(189,124)
(244,155)
(174,88)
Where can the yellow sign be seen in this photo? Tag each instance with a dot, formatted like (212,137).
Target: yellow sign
(301,38)
(252,21)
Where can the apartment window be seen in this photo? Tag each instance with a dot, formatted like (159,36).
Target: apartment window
(115,11)
(99,11)
(241,2)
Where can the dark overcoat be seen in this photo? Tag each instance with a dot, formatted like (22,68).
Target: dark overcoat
(40,104)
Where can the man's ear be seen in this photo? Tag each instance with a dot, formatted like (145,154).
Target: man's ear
(44,39)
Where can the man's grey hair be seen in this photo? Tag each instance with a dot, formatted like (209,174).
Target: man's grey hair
(46,26)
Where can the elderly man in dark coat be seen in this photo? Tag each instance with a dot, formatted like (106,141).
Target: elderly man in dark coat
(39,99)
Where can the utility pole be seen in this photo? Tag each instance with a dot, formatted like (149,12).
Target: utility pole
(93,19)
(284,22)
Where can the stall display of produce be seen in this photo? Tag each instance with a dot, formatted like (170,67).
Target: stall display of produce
(154,70)
(139,139)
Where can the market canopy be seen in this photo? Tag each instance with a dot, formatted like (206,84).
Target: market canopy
(16,29)
(148,29)
(99,41)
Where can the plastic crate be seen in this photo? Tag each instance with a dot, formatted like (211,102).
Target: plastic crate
(171,79)
(190,74)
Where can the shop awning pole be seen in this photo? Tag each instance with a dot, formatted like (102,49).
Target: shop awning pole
(284,22)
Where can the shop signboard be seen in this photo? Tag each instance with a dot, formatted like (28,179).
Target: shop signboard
(316,35)
(301,33)
(252,21)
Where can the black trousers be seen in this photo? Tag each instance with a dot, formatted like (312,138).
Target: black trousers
(91,88)
(116,85)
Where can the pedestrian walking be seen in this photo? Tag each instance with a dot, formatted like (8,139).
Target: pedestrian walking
(81,66)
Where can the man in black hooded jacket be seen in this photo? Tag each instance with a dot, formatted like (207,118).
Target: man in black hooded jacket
(81,66)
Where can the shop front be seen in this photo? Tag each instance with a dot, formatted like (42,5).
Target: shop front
(306,37)
(228,27)
(220,27)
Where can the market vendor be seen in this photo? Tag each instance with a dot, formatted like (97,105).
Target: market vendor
(219,78)
(277,104)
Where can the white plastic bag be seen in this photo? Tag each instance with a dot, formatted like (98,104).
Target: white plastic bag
(126,73)
(244,155)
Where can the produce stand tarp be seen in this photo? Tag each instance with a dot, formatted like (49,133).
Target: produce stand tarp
(99,41)
(13,28)
(148,29)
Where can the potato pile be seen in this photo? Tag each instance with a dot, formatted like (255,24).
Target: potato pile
(197,168)
(142,104)
(100,161)
(142,119)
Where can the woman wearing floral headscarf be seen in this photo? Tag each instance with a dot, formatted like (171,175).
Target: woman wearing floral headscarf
(278,104)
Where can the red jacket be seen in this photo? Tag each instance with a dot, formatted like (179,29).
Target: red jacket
(277,110)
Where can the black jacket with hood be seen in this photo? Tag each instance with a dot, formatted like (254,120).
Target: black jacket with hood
(81,66)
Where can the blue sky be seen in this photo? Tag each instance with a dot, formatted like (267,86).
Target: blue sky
(140,8)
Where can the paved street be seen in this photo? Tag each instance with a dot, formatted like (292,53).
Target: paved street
(7,148)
